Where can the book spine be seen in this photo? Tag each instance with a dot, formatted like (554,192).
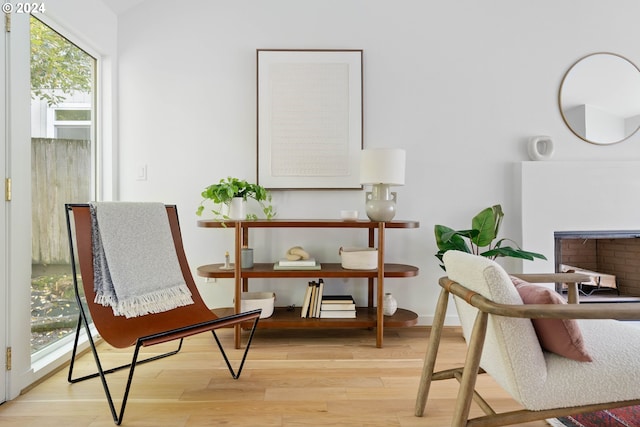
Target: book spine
(338,314)
(337,301)
(314,296)
(306,301)
(307,263)
(319,300)
(337,307)
(297,267)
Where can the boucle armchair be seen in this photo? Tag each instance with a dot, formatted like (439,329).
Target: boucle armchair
(503,343)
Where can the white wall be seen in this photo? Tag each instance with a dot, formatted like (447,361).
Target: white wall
(460,85)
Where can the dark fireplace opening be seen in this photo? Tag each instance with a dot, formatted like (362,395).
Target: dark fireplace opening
(612,258)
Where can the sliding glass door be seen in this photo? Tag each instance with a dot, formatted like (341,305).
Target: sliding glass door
(48,146)
(62,171)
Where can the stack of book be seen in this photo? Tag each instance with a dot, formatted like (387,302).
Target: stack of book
(301,264)
(318,305)
(337,307)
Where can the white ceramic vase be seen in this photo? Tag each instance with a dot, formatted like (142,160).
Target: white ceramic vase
(380,203)
(390,305)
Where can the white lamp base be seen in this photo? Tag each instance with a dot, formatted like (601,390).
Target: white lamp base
(381,203)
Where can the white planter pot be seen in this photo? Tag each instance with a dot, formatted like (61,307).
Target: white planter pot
(237,208)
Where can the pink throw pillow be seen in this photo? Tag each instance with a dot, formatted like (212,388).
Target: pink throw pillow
(560,336)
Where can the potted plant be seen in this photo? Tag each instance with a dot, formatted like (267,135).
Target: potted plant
(227,189)
(484,230)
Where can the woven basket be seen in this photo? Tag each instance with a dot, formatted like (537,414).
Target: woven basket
(359,258)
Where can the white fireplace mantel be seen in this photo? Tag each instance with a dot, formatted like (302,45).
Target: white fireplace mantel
(572,196)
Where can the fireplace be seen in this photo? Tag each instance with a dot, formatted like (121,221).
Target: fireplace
(613,257)
(559,196)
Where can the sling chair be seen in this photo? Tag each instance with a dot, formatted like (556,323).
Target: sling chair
(503,343)
(143,330)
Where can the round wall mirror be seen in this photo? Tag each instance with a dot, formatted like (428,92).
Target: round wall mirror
(599,98)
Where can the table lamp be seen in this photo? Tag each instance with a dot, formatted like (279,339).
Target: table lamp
(381,168)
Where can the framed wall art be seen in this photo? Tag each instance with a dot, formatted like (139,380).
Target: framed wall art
(309,118)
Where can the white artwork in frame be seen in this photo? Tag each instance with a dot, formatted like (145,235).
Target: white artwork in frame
(309,118)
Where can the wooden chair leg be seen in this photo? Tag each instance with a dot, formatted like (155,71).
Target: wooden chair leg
(432,352)
(470,373)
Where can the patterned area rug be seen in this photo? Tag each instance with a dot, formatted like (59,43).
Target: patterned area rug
(619,417)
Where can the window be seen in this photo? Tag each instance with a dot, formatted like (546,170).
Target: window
(72,123)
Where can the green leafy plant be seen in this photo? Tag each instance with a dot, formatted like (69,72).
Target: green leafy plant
(479,240)
(227,188)
(58,67)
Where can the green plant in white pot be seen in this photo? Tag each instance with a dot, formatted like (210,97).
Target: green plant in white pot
(227,189)
(484,230)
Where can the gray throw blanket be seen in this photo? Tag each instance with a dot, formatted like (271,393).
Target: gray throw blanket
(136,269)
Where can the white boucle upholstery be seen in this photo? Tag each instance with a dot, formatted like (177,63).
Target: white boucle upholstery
(536,378)
(613,375)
(512,354)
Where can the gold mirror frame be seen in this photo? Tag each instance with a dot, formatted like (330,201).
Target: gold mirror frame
(599,85)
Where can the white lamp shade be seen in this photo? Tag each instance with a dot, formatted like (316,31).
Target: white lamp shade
(382,166)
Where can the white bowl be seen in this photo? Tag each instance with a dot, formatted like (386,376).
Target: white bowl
(254,300)
(349,215)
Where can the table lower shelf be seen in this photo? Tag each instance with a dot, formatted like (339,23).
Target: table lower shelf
(283,318)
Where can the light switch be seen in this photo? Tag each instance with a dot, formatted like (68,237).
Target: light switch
(141,173)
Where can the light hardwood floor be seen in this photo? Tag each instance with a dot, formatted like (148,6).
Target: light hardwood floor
(291,378)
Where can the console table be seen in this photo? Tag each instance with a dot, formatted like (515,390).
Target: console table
(370,316)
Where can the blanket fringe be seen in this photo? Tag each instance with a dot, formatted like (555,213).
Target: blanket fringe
(149,303)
